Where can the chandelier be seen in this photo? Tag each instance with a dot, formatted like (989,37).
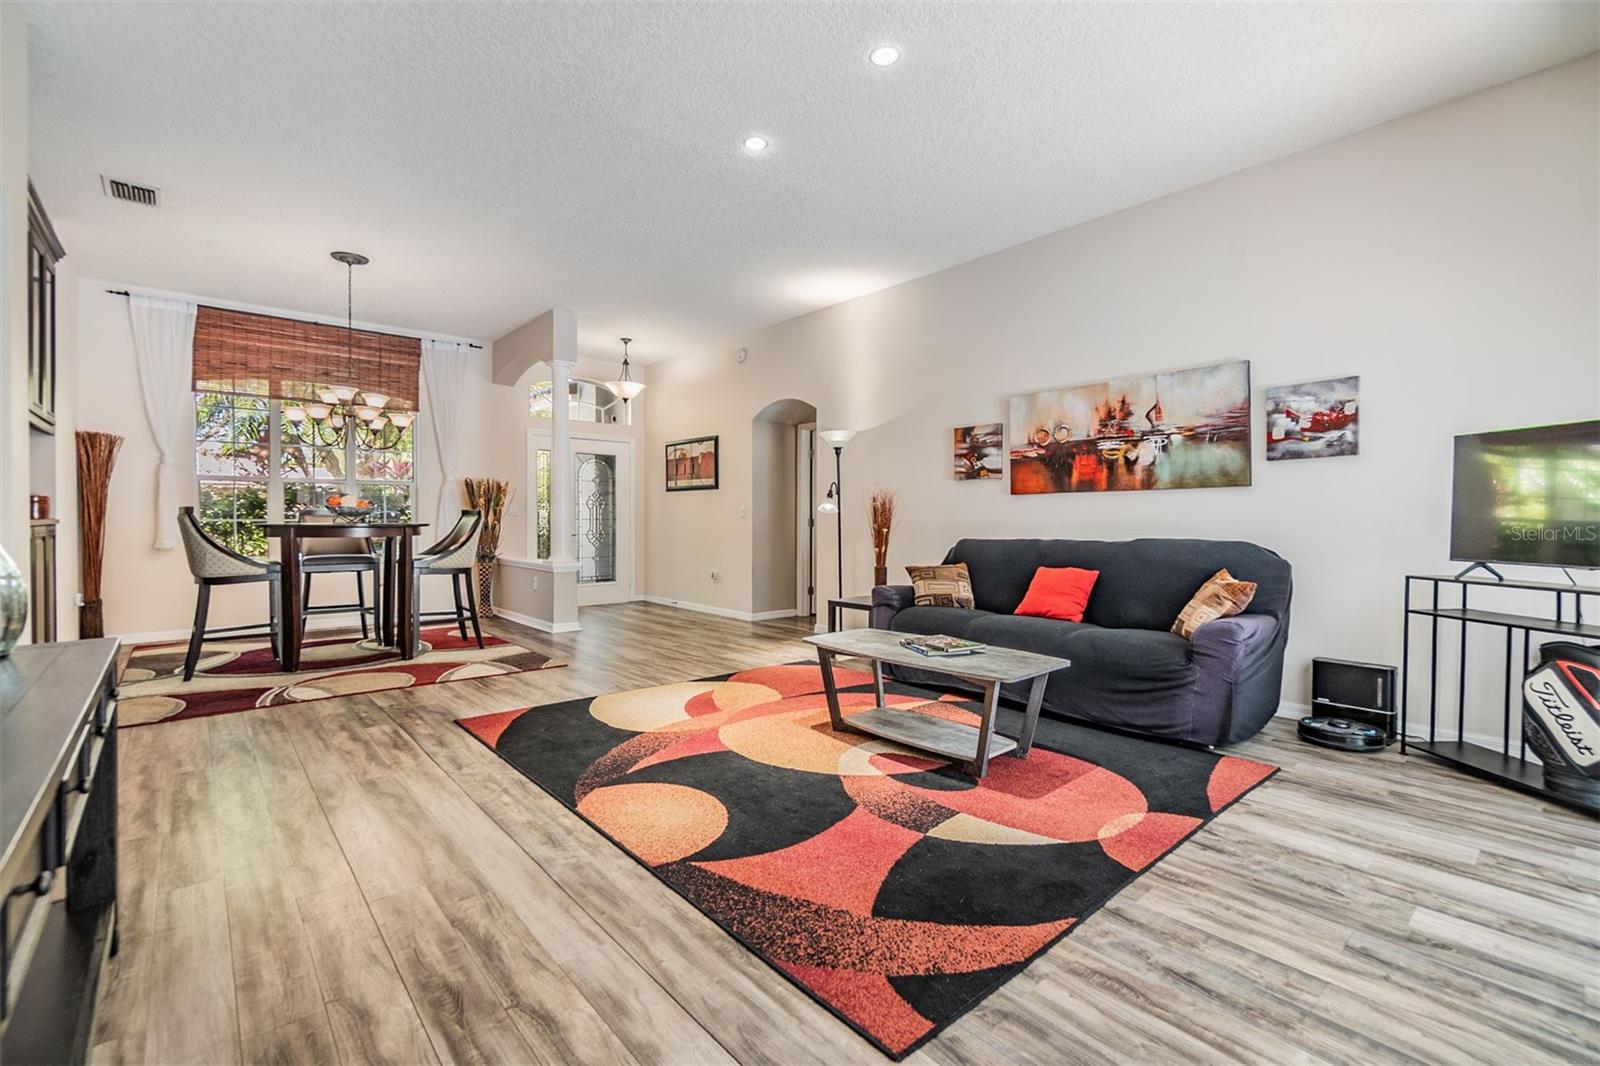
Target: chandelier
(348,406)
(625,386)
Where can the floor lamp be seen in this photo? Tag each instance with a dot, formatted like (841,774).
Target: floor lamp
(837,439)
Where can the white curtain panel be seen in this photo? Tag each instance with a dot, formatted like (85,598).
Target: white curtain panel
(444,370)
(163,341)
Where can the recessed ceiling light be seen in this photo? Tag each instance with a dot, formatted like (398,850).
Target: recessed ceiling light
(755,144)
(885,55)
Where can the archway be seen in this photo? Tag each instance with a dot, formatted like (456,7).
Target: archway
(782,548)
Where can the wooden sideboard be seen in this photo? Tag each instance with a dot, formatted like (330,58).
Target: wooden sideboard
(58,826)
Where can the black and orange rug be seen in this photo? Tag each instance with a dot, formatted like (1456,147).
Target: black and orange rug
(891,887)
(240,675)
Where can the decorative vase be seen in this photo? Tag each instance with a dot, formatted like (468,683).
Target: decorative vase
(880,575)
(13,603)
(486,585)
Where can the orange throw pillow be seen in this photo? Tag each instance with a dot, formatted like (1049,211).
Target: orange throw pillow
(1220,597)
(1058,592)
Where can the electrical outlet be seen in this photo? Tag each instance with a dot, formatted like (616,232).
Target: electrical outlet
(715,576)
(80,599)
(536,582)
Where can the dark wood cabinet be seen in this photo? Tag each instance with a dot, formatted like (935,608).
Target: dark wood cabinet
(58,831)
(44,252)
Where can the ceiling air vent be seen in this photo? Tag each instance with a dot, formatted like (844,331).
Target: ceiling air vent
(118,189)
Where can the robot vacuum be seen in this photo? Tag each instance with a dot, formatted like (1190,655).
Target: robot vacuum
(1342,734)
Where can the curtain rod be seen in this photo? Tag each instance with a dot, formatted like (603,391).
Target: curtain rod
(124,292)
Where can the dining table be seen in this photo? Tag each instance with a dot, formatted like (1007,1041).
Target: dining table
(397,622)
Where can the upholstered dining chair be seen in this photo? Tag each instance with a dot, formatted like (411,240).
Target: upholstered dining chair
(338,555)
(212,565)
(456,555)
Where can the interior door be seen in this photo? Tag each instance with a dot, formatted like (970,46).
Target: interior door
(602,497)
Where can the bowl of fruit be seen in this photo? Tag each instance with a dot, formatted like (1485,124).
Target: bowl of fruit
(350,510)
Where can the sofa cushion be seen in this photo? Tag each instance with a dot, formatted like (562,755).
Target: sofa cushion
(1060,592)
(1143,583)
(1220,597)
(936,621)
(941,586)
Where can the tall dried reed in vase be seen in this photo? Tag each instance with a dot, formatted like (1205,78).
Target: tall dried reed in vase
(880,517)
(489,496)
(97,458)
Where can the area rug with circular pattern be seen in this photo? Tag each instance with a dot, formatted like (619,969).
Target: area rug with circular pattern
(240,675)
(890,886)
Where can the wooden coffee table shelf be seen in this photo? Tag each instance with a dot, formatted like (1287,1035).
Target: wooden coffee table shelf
(926,733)
(989,669)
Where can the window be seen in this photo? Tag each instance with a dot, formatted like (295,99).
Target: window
(588,401)
(253,465)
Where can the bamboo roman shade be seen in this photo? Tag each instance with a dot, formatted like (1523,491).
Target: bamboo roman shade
(261,355)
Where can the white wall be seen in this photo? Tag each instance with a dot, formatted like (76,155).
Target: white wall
(148,591)
(1449,258)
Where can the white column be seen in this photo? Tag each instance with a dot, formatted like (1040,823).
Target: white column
(562,531)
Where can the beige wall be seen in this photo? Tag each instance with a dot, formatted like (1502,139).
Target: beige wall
(1449,258)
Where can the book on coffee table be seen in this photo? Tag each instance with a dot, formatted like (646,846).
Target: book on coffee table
(941,646)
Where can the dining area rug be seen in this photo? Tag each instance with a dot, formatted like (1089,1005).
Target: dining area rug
(243,674)
(889,885)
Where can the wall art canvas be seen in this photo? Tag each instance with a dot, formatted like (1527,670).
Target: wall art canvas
(1314,420)
(978,452)
(1177,429)
(692,464)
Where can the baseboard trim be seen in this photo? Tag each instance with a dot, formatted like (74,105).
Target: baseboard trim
(720,612)
(1492,741)
(536,623)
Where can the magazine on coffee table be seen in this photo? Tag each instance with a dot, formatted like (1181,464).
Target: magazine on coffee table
(941,647)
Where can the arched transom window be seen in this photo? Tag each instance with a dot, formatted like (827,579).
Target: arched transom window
(588,401)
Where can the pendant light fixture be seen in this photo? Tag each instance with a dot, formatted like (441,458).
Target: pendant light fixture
(338,407)
(625,386)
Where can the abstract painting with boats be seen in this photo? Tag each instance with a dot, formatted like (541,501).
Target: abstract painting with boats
(1177,429)
(1314,419)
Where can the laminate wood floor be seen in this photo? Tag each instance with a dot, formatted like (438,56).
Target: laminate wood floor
(358,880)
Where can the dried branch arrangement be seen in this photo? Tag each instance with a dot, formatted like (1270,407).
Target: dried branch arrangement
(880,516)
(97,458)
(489,496)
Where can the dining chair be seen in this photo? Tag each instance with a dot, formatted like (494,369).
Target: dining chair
(334,555)
(456,555)
(212,564)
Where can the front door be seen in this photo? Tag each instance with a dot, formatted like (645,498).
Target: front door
(602,498)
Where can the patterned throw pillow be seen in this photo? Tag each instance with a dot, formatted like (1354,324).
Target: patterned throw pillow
(941,586)
(1219,597)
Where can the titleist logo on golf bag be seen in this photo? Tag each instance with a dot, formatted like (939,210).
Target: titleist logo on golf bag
(1562,698)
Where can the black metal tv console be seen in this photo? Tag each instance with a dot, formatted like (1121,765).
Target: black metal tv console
(1509,765)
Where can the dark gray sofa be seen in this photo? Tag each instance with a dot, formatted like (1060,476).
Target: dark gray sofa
(1128,670)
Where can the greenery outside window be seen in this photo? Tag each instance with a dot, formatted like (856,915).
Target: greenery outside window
(255,466)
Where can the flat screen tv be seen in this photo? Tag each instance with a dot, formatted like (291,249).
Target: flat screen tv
(1528,496)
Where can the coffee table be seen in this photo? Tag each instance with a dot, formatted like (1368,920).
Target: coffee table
(988,669)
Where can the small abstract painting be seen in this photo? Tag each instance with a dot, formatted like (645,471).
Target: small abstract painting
(1314,420)
(978,451)
(1176,429)
(692,464)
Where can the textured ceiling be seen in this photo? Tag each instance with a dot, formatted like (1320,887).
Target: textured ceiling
(496,159)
